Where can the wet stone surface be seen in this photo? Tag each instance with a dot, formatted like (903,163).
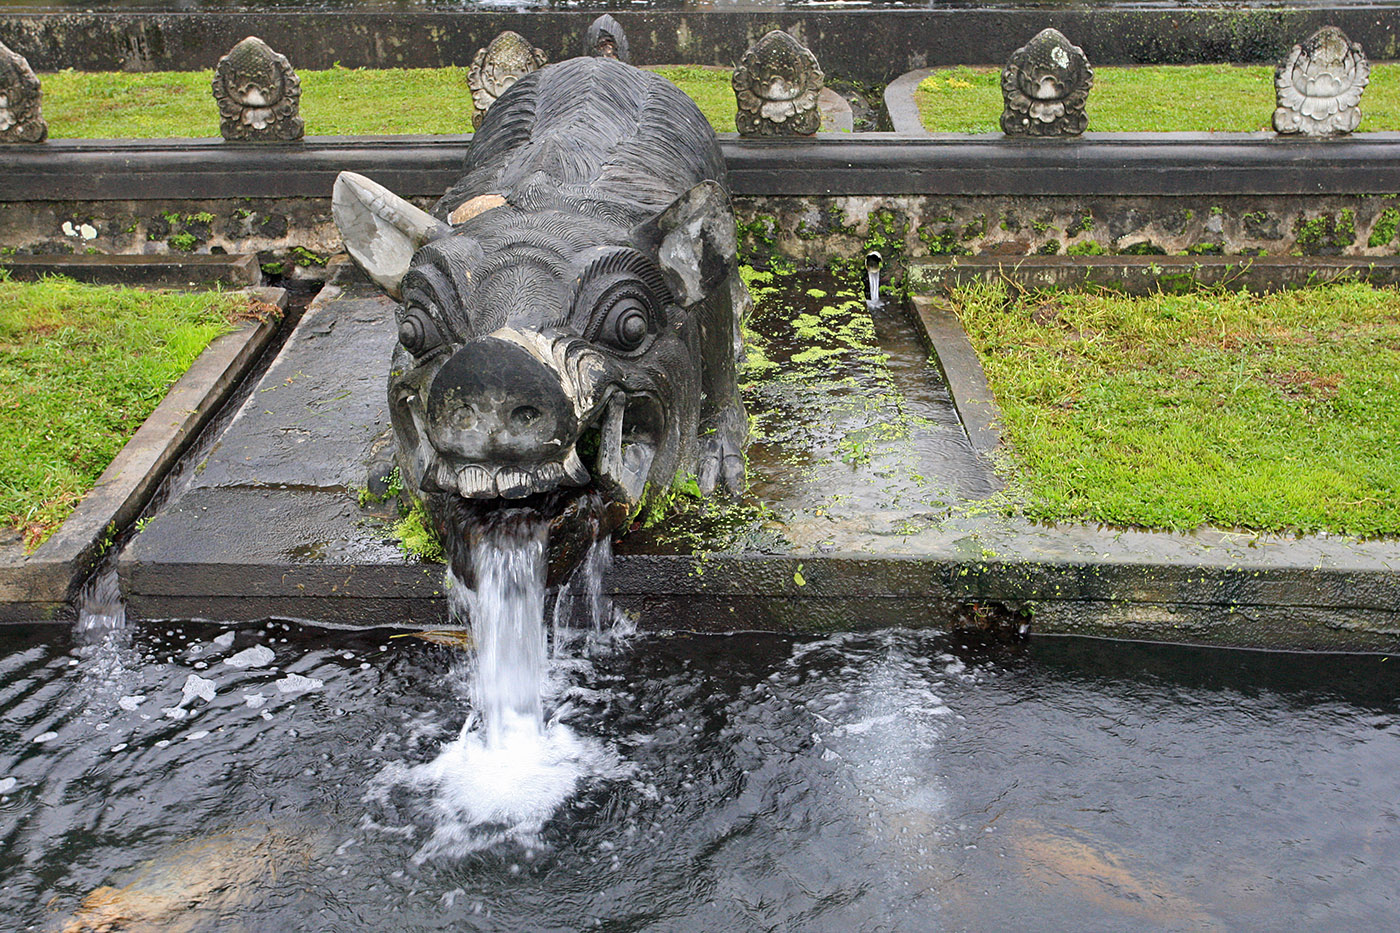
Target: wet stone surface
(197,777)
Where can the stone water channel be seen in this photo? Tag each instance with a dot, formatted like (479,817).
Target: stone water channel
(210,776)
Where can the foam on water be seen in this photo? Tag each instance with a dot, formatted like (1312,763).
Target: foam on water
(508,770)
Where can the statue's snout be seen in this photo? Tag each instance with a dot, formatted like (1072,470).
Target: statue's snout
(495,401)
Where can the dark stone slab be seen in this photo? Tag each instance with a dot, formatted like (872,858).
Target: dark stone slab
(1101,164)
(872,46)
(153,271)
(962,371)
(1147,274)
(44,584)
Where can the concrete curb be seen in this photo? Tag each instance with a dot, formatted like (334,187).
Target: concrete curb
(962,371)
(160,271)
(1138,275)
(42,585)
(899,103)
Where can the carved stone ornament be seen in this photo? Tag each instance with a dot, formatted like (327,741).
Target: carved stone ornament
(607,40)
(506,60)
(1045,85)
(20,121)
(258,93)
(568,313)
(1319,85)
(776,87)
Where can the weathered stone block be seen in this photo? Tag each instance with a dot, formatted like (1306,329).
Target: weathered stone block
(1045,86)
(776,87)
(20,120)
(258,93)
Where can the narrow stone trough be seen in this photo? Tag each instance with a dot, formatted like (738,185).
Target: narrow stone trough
(271,526)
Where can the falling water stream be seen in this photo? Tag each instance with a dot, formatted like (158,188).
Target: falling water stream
(514,762)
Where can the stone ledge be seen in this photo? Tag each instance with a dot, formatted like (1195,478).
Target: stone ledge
(162,271)
(43,584)
(962,371)
(1095,164)
(1146,274)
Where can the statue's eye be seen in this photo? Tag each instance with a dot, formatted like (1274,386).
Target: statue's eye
(626,324)
(417,332)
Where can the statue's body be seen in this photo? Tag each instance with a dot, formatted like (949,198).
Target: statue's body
(570,309)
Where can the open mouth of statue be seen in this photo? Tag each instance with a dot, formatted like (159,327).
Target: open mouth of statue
(613,452)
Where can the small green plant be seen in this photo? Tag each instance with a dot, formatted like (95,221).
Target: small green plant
(184,242)
(1087,248)
(1383,230)
(417,537)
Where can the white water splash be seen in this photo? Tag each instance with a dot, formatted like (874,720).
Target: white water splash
(508,770)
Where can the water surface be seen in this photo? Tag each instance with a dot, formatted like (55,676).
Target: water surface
(184,779)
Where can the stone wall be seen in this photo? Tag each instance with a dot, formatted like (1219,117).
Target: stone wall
(816,230)
(805,231)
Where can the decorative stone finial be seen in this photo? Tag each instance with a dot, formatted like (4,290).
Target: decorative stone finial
(20,121)
(607,40)
(505,61)
(1045,85)
(258,93)
(1319,85)
(776,86)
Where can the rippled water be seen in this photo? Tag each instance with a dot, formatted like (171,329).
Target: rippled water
(210,779)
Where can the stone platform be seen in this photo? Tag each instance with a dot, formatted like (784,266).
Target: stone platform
(270,526)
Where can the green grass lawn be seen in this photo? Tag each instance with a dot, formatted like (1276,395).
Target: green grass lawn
(81,366)
(1271,412)
(1188,98)
(338,102)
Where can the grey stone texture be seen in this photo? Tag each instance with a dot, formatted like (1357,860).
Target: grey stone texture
(258,94)
(507,59)
(606,39)
(1319,85)
(776,86)
(1045,86)
(21,120)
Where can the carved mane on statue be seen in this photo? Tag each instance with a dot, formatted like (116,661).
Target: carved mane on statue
(569,311)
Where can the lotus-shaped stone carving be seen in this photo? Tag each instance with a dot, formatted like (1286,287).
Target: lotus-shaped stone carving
(1045,86)
(1319,85)
(776,87)
(505,61)
(20,120)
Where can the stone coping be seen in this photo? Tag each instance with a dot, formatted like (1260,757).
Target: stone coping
(1103,164)
(870,45)
(162,271)
(271,528)
(1148,274)
(43,585)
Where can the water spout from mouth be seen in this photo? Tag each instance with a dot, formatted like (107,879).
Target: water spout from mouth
(873,261)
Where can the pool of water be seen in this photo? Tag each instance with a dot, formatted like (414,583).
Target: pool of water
(197,777)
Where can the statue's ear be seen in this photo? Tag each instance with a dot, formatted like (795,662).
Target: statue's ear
(381,230)
(695,241)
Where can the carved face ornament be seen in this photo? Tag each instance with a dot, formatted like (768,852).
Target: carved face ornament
(778,81)
(1319,85)
(1045,85)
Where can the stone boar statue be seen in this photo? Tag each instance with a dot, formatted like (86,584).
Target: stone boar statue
(569,311)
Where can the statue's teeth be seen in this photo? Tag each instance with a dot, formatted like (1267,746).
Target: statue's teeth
(442,474)
(476,482)
(549,474)
(574,470)
(515,483)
